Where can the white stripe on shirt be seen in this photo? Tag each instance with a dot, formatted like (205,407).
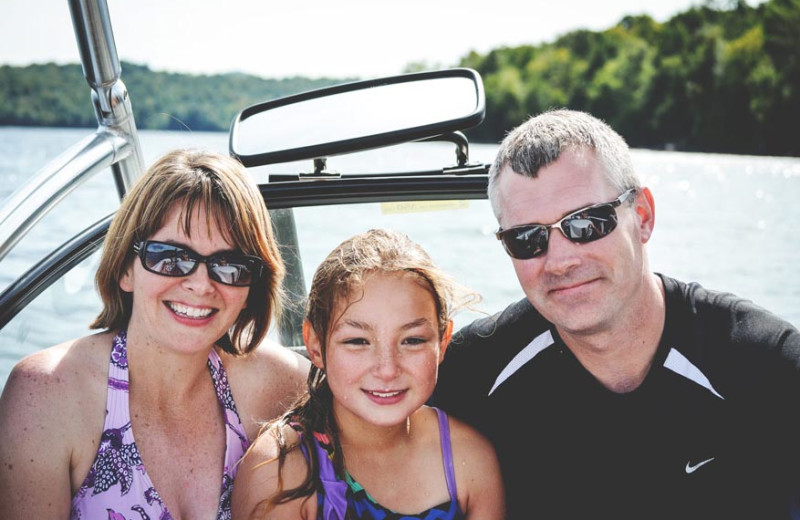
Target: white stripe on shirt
(678,363)
(539,343)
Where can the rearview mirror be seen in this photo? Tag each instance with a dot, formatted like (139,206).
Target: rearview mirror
(358,116)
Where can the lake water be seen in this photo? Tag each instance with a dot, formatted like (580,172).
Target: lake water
(725,221)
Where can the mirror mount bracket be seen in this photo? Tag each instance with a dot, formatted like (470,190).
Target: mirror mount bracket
(467,169)
(320,171)
(320,165)
(458,139)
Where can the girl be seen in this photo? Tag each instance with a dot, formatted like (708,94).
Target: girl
(361,444)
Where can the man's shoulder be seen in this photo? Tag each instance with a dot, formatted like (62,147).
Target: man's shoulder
(482,348)
(711,312)
(697,295)
(477,355)
(518,317)
(734,342)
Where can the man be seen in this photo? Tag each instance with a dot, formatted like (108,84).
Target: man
(612,391)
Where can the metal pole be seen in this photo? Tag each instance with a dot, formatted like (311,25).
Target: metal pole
(291,323)
(102,70)
(115,144)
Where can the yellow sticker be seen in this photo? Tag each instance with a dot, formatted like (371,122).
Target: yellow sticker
(422,206)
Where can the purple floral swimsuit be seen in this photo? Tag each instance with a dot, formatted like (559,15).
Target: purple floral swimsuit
(117,487)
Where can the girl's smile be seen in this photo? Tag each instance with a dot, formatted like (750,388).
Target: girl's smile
(383,351)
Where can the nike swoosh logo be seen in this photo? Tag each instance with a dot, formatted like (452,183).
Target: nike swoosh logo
(691,469)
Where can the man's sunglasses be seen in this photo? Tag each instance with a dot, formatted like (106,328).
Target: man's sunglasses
(229,268)
(583,225)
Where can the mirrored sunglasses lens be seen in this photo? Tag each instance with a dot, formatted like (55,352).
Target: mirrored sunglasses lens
(233,272)
(591,224)
(168,260)
(524,243)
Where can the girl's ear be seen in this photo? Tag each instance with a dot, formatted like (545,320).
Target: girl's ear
(313,345)
(445,341)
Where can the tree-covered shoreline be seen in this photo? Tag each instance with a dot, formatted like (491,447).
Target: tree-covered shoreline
(720,77)
(58,95)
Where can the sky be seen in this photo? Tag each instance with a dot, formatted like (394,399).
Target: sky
(313,38)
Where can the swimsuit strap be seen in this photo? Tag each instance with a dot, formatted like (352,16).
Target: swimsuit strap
(447,453)
(332,498)
(225,398)
(236,442)
(117,409)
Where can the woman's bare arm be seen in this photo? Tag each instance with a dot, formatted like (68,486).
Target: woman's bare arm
(44,435)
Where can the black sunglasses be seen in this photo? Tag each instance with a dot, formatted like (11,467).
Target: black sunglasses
(583,225)
(229,268)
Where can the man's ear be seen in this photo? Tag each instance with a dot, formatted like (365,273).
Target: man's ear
(313,345)
(445,341)
(646,211)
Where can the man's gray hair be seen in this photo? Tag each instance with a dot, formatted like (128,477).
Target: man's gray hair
(541,139)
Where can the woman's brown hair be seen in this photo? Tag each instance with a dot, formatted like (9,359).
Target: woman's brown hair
(191,179)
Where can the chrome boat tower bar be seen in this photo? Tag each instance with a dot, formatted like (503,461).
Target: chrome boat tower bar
(114,144)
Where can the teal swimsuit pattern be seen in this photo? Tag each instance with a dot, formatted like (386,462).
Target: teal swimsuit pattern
(346,499)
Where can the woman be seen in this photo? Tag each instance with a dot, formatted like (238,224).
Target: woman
(181,364)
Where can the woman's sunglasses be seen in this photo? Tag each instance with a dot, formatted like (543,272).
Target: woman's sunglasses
(229,268)
(583,225)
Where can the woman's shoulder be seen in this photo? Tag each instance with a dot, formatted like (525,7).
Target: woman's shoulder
(269,359)
(53,403)
(266,381)
(75,366)
(272,352)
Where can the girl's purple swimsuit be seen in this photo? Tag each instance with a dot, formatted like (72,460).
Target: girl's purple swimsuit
(117,486)
(340,498)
